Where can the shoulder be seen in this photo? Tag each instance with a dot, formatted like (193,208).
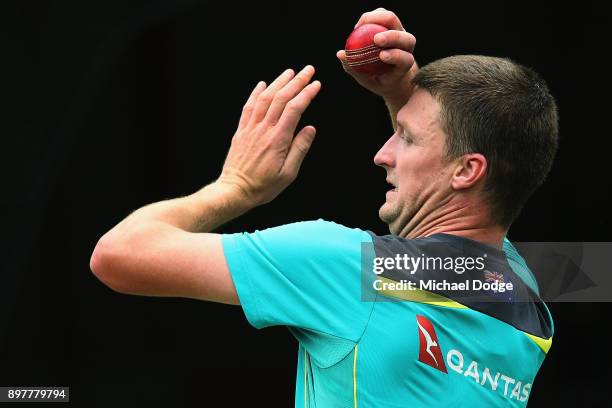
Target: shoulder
(320,234)
(320,226)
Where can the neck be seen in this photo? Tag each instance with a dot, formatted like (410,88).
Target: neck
(455,216)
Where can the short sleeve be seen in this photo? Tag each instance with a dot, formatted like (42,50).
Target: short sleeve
(305,275)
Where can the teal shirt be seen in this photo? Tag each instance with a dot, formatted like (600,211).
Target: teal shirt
(358,349)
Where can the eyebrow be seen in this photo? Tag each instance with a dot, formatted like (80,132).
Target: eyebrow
(405,128)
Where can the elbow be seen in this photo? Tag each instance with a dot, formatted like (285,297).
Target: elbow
(105,264)
(98,257)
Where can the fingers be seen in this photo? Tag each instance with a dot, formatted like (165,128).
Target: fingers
(401,59)
(295,108)
(265,98)
(383,17)
(287,93)
(247,109)
(300,146)
(398,45)
(341,55)
(395,39)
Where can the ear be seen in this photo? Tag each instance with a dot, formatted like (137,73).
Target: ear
(470,169)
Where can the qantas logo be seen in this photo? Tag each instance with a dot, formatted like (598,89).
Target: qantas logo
(430,352)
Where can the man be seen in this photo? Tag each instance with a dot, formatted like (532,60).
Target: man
(474,137)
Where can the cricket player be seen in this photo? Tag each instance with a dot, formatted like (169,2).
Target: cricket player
(377,324)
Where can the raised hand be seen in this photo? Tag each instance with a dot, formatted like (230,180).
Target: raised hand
(266,153)
(395,84)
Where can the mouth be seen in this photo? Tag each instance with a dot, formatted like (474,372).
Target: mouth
(393,186)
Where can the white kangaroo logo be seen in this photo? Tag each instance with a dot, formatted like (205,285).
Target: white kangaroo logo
(430,342)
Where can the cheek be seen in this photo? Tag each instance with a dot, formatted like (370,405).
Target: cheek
(419,177)
(417,167)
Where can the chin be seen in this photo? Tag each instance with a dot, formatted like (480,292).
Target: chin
(386,214)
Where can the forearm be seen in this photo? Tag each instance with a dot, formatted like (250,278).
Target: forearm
(394,104)
(155,251)
(202,211)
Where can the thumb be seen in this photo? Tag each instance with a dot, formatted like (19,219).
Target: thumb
(299,147)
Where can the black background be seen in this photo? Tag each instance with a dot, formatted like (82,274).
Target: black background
(113,105)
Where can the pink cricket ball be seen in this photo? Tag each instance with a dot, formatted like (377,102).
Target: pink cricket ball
(362,55)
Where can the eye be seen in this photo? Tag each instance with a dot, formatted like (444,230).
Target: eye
(405,137)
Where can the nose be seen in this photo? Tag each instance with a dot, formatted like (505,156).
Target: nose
(386,155)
